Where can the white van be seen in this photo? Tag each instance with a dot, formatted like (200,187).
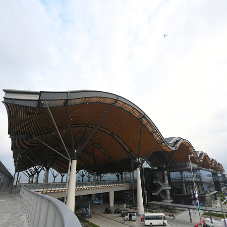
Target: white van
(155,219)
(131,216)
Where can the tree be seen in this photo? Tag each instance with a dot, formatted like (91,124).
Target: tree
(209,199)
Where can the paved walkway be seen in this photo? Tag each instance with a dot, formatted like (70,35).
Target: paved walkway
(11,209)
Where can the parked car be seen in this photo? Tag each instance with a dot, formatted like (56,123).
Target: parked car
(117,211)
(108,211)
(124,212)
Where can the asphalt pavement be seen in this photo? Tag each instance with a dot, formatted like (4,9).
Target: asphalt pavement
(113,220)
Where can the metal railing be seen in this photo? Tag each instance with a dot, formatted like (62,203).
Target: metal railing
(53,187)
(45,211)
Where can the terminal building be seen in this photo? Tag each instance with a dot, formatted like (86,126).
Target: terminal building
(6,178)
(103,133)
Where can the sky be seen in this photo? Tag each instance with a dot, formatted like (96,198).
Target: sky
(118,46)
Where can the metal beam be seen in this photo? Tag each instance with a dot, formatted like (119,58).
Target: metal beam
(171,158)
(145,159)
(82,147)
(32,161)
(50,147)
(52,118)
(71,135)
(186,155)
(140,138)
(128,153)
(82,138)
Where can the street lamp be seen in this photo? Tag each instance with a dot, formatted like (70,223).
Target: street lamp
(194,185)
(223,211)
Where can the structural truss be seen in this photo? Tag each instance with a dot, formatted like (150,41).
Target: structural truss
(107,131)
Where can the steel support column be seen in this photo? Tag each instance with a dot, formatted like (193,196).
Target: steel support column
(140,207)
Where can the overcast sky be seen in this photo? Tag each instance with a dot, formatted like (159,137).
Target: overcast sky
(118,46)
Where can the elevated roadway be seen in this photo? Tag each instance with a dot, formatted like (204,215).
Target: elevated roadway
(57,190)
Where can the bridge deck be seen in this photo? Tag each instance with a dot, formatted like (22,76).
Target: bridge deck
(11,209)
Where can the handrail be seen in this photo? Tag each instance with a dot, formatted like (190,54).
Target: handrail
(79,185)
(45,211)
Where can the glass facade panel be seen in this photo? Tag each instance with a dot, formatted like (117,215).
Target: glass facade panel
(220,177)
(206,175)
(175,176)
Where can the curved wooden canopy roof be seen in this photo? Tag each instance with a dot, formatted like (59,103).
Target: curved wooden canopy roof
(108,131)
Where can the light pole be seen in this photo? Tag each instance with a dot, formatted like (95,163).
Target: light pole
(223,211)
(194,185)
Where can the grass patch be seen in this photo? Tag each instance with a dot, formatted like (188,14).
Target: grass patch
(213,214)
(88,223)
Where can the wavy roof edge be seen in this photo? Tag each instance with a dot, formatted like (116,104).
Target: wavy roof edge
(32,98)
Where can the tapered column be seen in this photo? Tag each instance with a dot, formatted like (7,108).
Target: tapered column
(111,198)
(94,177)
(167,183)
(140,208)
(37,178)
(72,184)
(46,176)
(62,176)
(183,184)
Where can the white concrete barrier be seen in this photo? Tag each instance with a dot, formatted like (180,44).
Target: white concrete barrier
(45,211)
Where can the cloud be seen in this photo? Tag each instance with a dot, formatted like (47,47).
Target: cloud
(118,47)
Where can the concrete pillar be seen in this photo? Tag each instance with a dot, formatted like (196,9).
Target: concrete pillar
(121,176)
(167,183)
(72,184)
(183,184)
(190,215)
(111,198)
(210,217)
(140,208)
(37,178)
(173,210)
(46,176)
(101,200)
(94,177)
